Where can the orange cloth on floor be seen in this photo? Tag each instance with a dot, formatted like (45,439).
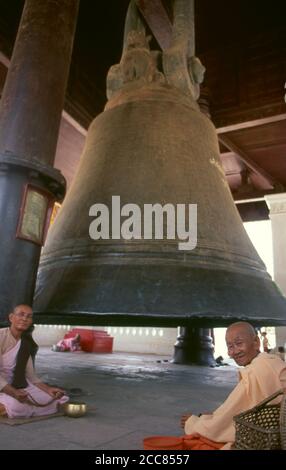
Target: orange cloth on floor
(163,443)
(193,442)
(186,442)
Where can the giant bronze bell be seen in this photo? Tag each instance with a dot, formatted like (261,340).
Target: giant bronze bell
(152,145)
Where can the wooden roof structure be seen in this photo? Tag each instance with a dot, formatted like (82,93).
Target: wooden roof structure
(243,46)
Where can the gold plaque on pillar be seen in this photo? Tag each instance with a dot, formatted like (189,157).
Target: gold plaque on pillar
(35,214)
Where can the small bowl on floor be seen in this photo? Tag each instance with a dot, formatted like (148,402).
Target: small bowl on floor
(74,409)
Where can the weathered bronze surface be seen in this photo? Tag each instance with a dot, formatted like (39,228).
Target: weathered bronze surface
(153,145)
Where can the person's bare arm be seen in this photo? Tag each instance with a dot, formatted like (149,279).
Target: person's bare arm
(54,392)
(184,418)
(17,393)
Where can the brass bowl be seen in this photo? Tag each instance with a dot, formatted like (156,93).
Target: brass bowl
(74,409)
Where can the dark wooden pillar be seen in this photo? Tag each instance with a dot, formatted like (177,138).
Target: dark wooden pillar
(30,114)
(194,346)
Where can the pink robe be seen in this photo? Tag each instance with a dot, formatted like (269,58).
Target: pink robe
(16,409)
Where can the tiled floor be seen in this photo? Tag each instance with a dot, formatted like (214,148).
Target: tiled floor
(129,397)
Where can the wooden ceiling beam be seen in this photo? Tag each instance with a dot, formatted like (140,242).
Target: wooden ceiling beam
(4,60)
(158,20)
(243,197)
(268,180)
(249,124)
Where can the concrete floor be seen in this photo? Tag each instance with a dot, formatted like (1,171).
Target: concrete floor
(130,396)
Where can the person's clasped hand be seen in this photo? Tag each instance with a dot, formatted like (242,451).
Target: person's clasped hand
(55,392)
(21,395)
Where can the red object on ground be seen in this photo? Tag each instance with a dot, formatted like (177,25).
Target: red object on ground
(163,443)
(193,442)
(186,442)
(97,341)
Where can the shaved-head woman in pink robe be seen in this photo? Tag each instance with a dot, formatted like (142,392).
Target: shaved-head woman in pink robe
(22,394)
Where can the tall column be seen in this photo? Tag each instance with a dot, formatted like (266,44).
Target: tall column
(277,207)
(30,113)
(194,346)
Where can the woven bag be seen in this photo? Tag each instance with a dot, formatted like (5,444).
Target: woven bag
(262,427)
